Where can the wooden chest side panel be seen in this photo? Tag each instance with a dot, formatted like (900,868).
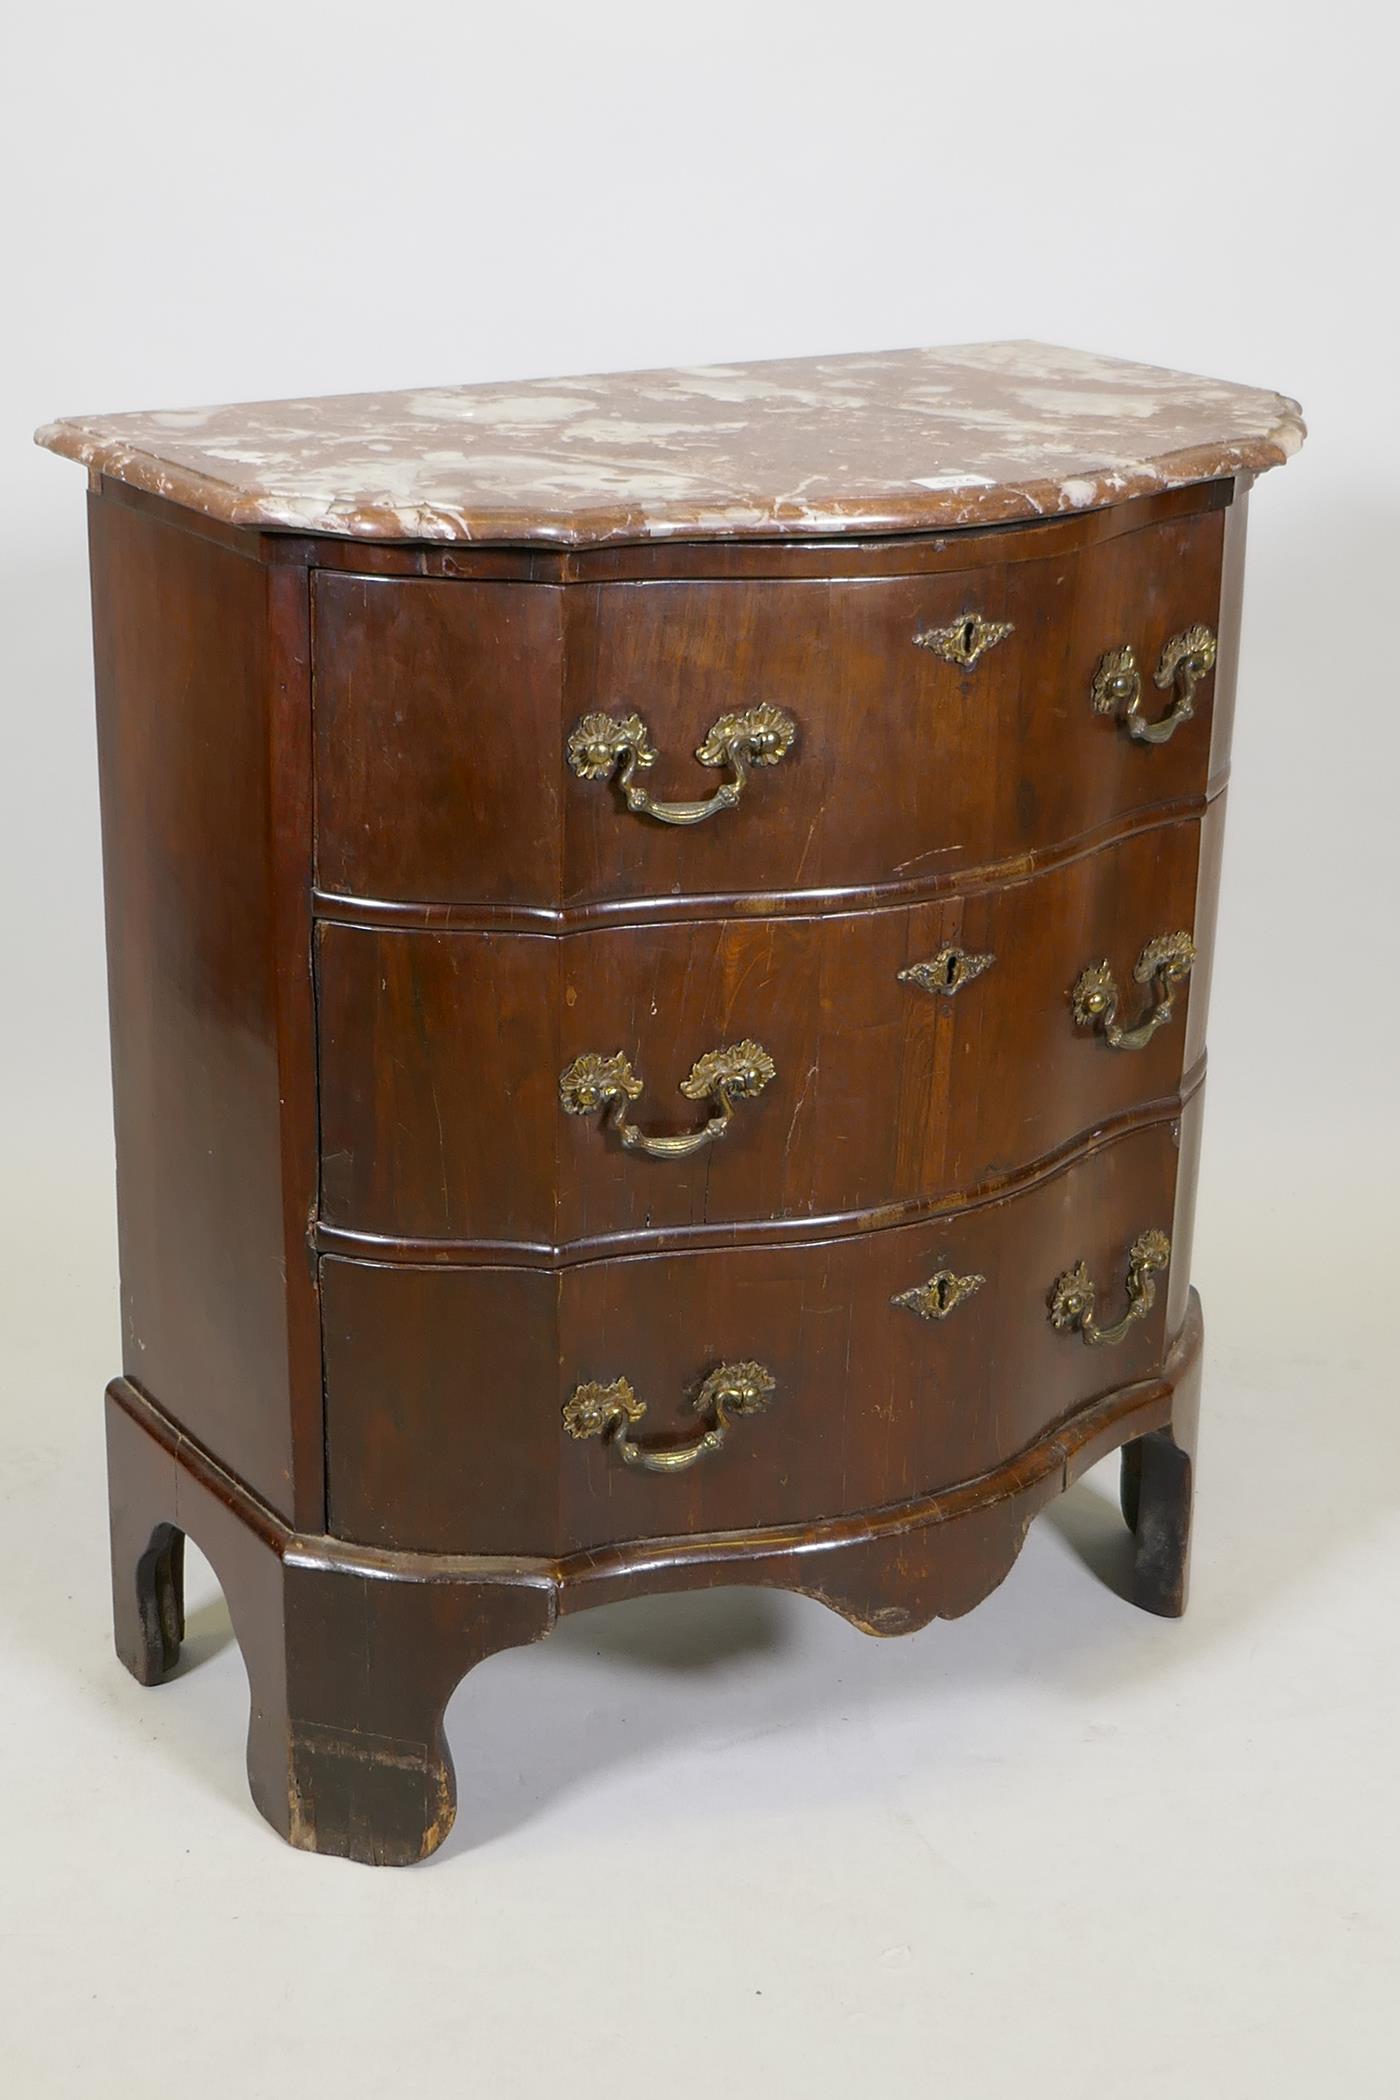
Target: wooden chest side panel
(205,810)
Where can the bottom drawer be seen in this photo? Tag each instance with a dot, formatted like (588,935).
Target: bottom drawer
(447,1387)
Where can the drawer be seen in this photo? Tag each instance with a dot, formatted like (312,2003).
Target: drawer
(446,1387)
(449,771)
(914,1053)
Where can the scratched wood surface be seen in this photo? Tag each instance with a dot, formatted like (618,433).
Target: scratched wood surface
(442,710)
(446,1385)
(204,754)
(441,1055)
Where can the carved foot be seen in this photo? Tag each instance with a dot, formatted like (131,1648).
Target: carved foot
(1156,1486)
(348,1754)
(148,1560)
(148,1602)
(351,1657)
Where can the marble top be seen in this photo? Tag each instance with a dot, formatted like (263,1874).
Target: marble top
(899,441)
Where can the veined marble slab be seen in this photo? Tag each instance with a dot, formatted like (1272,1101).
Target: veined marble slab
(899,441)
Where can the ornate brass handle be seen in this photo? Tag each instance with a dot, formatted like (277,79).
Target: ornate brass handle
(609,1411)
(593,1081)
(756,736)
(1184,662)
(1164,963)
(1073,1295)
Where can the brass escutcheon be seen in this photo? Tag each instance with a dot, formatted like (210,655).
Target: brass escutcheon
(943,1293)
(963,640)
(600,746)
(609,1412)
(947,972)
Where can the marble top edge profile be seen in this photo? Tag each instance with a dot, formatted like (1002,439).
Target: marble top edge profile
(892,441)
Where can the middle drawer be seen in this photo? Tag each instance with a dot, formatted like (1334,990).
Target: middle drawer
(560,1090)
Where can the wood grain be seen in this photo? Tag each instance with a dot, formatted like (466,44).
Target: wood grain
(453,701)
(204,766)
(441,1054)
(354,1760)
(444,1386)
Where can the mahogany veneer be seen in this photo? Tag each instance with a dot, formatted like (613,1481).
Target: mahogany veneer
(408,671)
(447,1307)
(409,1156)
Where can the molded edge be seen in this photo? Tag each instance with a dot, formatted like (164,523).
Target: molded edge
(859,1564)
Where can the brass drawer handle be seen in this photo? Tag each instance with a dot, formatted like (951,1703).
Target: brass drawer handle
(756,736)
(593,1081)
(963,640)
(1165,963)
(1184,662)
(1072,1297)
(609,1411)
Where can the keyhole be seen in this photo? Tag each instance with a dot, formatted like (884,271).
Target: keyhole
(969,636)
(952,971)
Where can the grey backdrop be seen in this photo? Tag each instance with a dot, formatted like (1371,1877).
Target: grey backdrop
(721,1839)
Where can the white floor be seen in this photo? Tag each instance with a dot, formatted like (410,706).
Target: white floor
(724,1843)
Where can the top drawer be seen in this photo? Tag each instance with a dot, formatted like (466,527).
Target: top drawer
(444,713)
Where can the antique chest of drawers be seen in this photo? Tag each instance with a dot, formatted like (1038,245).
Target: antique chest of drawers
(659,933)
